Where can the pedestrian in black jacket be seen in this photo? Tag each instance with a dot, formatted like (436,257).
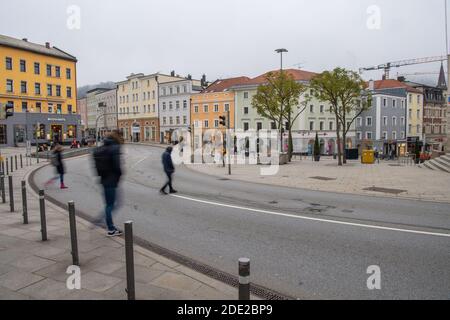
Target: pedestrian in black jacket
(169,169)
(57,161)
(108,163)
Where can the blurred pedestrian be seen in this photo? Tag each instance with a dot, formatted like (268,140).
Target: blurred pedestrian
(108,165)
(169,169)
(57,162)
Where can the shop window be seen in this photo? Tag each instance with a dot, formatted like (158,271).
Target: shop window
(39,131)
(71,132)
(3,137)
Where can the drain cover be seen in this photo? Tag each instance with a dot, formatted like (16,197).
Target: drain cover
(224,179)
(385,190)
(323,178)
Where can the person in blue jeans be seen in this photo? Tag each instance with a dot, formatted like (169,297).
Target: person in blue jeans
(108,163)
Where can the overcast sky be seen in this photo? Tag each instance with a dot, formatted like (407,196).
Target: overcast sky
(225,38)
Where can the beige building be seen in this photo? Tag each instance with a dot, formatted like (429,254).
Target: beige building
(137,106)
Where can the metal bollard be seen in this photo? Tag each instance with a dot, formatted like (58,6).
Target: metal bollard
(21,161)
(43,219)
(73,234)
(24,203)
(7,167)
(11,194)
(129,258)
(15,161)
(12,164)
(2,182)
(244,279)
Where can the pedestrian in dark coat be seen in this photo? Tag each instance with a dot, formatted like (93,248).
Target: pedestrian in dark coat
(57,161)
(169,169)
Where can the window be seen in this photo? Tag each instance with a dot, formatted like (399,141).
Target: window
(394,135)
(402,121)
(58,72)
(68,74)
(259,126)
(410,98)
(164,106)
(311,108)
(369,121)
(184,119)
(321,126)
(49,70)
(23,66)
(178,119)
(170,105)
(206,124)
(164,120)
(369,135)
(170,120)
(37,88)
(322,109)
(37,68)
(177,103)
(154,108)
(246,126)
(49,90)
(205,108)
(403,104)
(273,125)
(409,128)
(196,109)
(418,99)
(196,123)
(69,109)
(331,124)
(153,94)
(216,123)
(418,114)
(245,95)
(184,104)
(384,102)
(384,135)
(394,121)
(184,88)
(170,90)
(58,91)
(227,107)
(24,106)
(384,121)
(50,108)
(38,107)
(418,128)
(358,135)
(245,110)
(410,113)
(216,108)
(23,87)
(69,92)
(311,126)
(178,89)
(359,122)
(394,103)
(403,134)
(8,63)
(9,85)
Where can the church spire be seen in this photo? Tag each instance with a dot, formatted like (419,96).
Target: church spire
(442,84)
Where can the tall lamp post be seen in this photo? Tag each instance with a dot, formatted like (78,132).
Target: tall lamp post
(281,51)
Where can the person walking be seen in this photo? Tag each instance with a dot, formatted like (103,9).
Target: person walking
(57,162)
(108,164)
(169,169)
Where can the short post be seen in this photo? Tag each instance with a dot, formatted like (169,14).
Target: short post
(42,211)
(129,258)
(21,161)
(244,279)
(2,182)
(2,167)
(11,194)
(73,234)
(12,164)
(24,203)
(7,167)
(15,161)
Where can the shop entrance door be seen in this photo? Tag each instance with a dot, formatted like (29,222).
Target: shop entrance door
(56,133)
(19,136)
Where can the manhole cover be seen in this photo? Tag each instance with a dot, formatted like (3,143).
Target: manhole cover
(273,202)
(396,165)
(224,179)
(323,178)
(385,190)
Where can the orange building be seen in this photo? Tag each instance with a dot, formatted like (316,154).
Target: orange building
(213,102)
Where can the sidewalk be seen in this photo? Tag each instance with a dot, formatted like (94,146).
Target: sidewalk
(393,179)
(32,269)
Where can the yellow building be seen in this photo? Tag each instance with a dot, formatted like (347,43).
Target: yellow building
(415,114)
(40,81)
(212,103)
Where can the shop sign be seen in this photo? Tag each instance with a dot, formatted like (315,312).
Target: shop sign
(57,119)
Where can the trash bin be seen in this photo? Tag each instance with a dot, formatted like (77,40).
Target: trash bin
(368,157)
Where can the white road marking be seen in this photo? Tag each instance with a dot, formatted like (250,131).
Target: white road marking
(314,219)
(135,164)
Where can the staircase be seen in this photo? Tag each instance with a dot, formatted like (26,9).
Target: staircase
(441,163)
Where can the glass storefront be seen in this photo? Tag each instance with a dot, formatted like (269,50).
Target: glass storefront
(71,131)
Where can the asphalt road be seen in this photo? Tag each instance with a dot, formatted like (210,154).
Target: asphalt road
(306,244)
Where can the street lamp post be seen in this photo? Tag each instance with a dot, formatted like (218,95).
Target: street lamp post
(281,51)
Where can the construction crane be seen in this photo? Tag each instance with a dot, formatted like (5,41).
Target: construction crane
(396,64)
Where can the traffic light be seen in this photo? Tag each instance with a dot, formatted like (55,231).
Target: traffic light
(223,121)
(6,110)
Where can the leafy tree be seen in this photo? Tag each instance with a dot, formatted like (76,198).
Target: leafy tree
(344,91)
(278,100)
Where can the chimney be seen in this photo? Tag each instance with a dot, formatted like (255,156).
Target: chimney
(371,85)
(47,45)
(401,79)
(172,73)
(384,77)
(25,39)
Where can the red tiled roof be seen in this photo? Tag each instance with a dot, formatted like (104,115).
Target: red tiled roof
(298,75)
(393,84)
(224,84)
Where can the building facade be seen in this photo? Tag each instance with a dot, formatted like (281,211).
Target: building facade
(82,111)
(215,101)
(107,111)
(138,109)
(40,81)
(174,102)
(316,117)
(383,126)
